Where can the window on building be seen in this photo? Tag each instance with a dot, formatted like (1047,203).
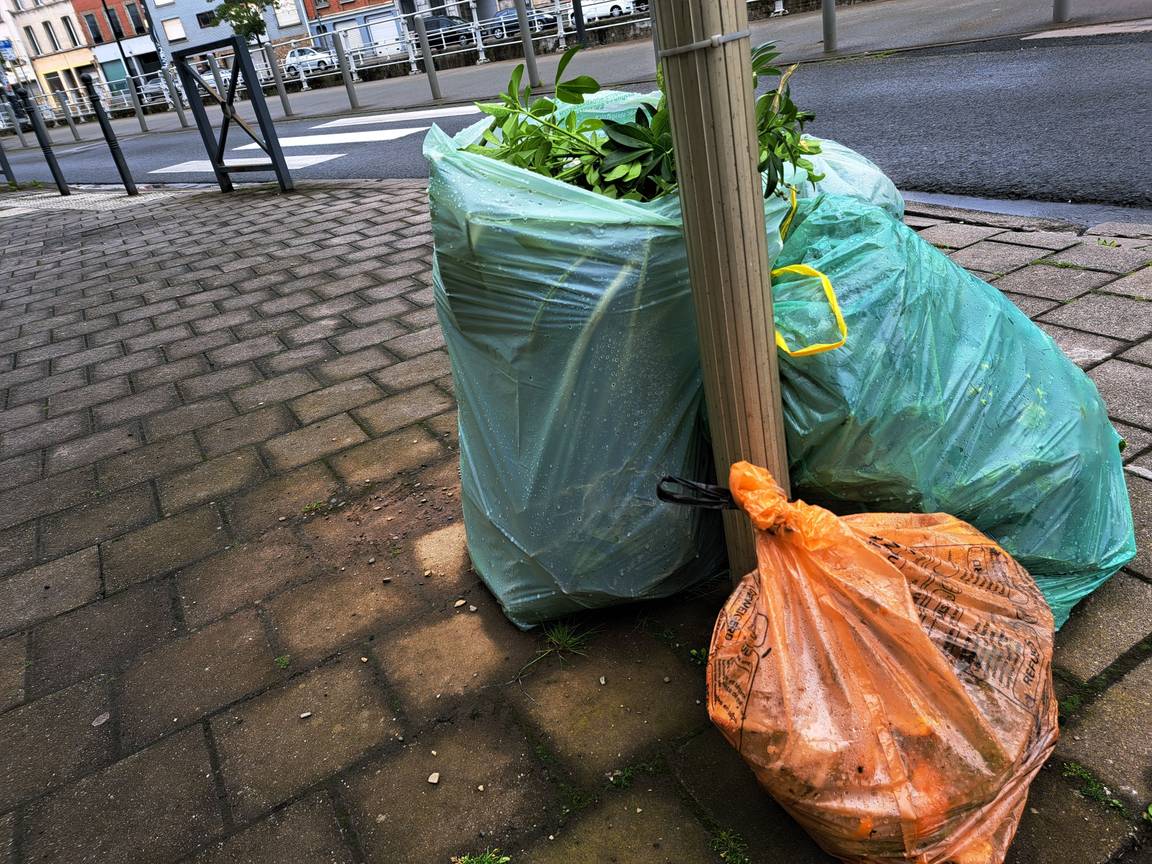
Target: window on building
(18,5)
(134,16)
(51,34)
(33,42)
(173,29)
(93,28)
(206,19)
(287,13)
(70,29)
(114,23)
(163,2)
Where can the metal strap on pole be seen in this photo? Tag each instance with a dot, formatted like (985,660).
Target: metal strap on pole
(136,106)
(45,142)
(109,135)
(529,48)
(828,13)
(277,77)
(66,109)
(712,109)
(174,94)
(345,70)
(429,63)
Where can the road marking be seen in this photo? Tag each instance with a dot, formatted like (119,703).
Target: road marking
(360,137)
(1141,25)
(203,166)
(399,116)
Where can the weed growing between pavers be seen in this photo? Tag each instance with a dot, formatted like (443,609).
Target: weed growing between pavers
(561,639)
(622,778)
(488,856)
(283,661)
(1090,787)
(730,846)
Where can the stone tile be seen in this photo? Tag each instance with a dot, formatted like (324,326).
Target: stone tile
(93,394)
(237,432)
(90,523)
(1091,254)
(17,548)
(313,442)
(46,386)
(30,413)
(953,235)
(1123,386)
(144,463)
(197,345)
(186,679)
(1137,440)
(335,399)
(633,712)
(418,342)
(723,786)
(992,257)
(91,448)
(1061,825)
(176,370)
(1052,240)
(42,434)
(210,480)
(1106,314)
(386,457)
(100,637)
(446,428)
(218,382)
(412,373)
(243,575)
(395,412)
(49,589)
(240,352)
(1122,229)
(1140,494)
(152,807)
(17,471)
(642,824)
(286,495)
(1142,353)
(8,838)
(1083,349)
(306,832)
(12,659)
(1104,626)
(187,418)
(52,741)
(400,816)
(448,655)
(161,547)
(349,717)
(278,389)
(305,355)
(1053,283)
(1107,741)
(316,618)
(1139,284)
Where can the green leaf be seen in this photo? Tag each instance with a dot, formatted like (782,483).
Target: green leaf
(625,135)
(565,59)
(514,83)
(618,172)
(573,91)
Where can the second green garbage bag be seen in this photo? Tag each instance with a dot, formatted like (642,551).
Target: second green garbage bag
(568,317)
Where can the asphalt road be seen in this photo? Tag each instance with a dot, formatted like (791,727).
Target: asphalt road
(1052,120)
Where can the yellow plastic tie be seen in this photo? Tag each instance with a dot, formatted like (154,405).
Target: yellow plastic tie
(833,303)
(787,223)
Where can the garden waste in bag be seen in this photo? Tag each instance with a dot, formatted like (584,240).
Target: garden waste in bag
(887,677)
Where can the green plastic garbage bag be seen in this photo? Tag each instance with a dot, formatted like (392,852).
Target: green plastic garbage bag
(946,398)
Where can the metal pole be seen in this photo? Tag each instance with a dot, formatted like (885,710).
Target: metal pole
(247,69)
(15,122)
(66,108)
(1061,11)
(483,57)
(526,41)
(6,168)
(345,71)
(828,13)
(200,115)
(559,12)
(109,135)
(277,78)
(174,93)
(578,23)
(214,65)
(45,141)
(136,106)
(429,64)
(712,110)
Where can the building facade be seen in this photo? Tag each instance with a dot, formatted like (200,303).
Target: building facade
(117,32)
(184,23)
(15,64)
(50,36)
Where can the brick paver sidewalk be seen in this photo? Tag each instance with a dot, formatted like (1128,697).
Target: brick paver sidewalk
(231,562)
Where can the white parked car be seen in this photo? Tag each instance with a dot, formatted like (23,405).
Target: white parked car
(596,9)
(309,60)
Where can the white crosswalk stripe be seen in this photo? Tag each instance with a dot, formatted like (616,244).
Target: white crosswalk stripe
(203,166)
(401,116)
(325,139)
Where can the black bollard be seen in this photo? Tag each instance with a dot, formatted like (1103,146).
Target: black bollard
(109,135)
(6,168)
(45,142)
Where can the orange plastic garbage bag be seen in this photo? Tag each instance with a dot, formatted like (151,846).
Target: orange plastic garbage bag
(888,678)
